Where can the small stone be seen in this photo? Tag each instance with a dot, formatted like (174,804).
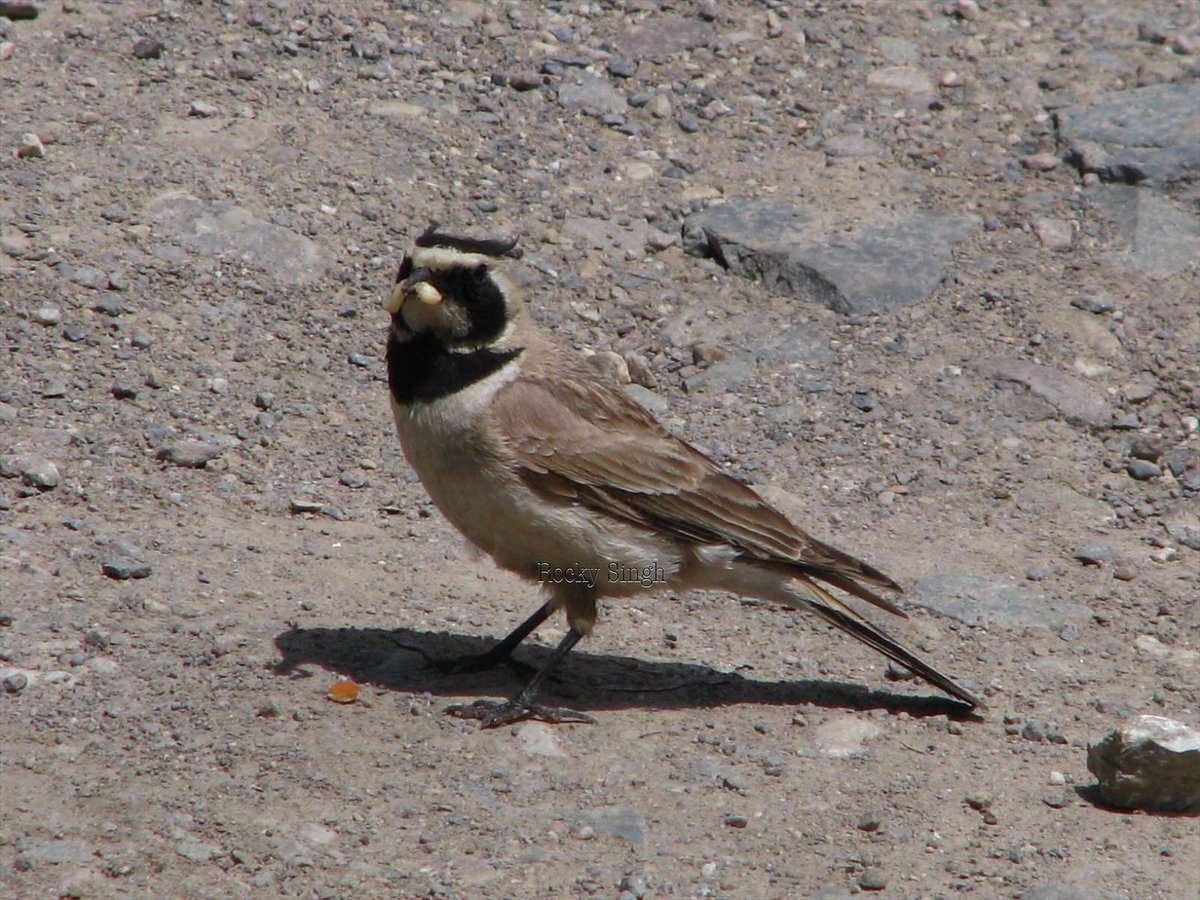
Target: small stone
(659,106)
(621,67)
(47,315)
(124,569)
(15,682)
(1093,304)
(1141,470)
(1040,162)
(1056,778)
(264,400)
(979,801)
(736,821)
(1055,234)
(147,48)
(869,822)
(634,884)
(54,389)
(1094,554)
(189,454)
(39,473)
(30,146)
(201,110)
(525,81)
(872,879)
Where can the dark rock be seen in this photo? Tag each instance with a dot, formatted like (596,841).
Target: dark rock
(1141,470)
(122,568)
(1129,136)
(147,48)
(977,601)
(1151,763)
(1075,399)
(782,246)
(621,67)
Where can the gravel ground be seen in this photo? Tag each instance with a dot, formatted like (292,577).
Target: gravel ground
(205,517)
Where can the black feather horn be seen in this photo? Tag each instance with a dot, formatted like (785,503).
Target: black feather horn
(431,237)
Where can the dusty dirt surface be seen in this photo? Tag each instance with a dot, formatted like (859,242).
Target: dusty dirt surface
(206,519)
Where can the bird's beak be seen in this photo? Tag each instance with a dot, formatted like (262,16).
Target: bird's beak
(418,284)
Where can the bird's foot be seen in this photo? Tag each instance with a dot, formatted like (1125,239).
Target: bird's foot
(481,662)
(493,714)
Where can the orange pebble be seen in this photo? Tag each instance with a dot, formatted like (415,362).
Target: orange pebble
(343,691)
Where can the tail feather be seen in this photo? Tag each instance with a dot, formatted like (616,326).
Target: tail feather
(837,613)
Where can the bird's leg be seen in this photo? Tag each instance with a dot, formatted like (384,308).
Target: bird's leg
(502,652)
(493,714)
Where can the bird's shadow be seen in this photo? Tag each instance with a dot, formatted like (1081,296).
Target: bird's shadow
(399,659)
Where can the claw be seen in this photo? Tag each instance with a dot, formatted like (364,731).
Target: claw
(493,714)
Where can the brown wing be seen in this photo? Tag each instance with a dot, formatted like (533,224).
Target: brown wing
(586,441)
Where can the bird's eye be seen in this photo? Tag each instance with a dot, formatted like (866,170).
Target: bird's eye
(480,272)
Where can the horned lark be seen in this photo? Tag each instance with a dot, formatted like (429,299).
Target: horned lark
(562,478)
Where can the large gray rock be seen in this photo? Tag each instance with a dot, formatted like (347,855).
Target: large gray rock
(885,265)
(1147,133)
(213,227)
(1079,402)
(1150,233)
(980,601)
(1151,763)
(593,95)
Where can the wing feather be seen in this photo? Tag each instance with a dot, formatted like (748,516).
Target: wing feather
(575,438)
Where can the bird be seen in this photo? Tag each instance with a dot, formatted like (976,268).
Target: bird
(556,473)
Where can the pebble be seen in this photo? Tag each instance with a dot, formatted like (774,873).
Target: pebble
(1040,162)
(189,454)
(1141,470)
(30,146)
(621,67)
(202,110)
(1091,303)
(47,315)
(1055,234)
(1094,554)
(15,682)
(123,569)
(525,81)
(147,48)
(869,822)
(40,473)
(872,879)
(734,821)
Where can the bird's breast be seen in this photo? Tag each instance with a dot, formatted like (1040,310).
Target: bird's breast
(474,481)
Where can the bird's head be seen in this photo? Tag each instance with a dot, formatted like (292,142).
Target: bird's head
(455,290)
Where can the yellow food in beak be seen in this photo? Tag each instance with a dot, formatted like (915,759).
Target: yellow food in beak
(427,293)
(393,302)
